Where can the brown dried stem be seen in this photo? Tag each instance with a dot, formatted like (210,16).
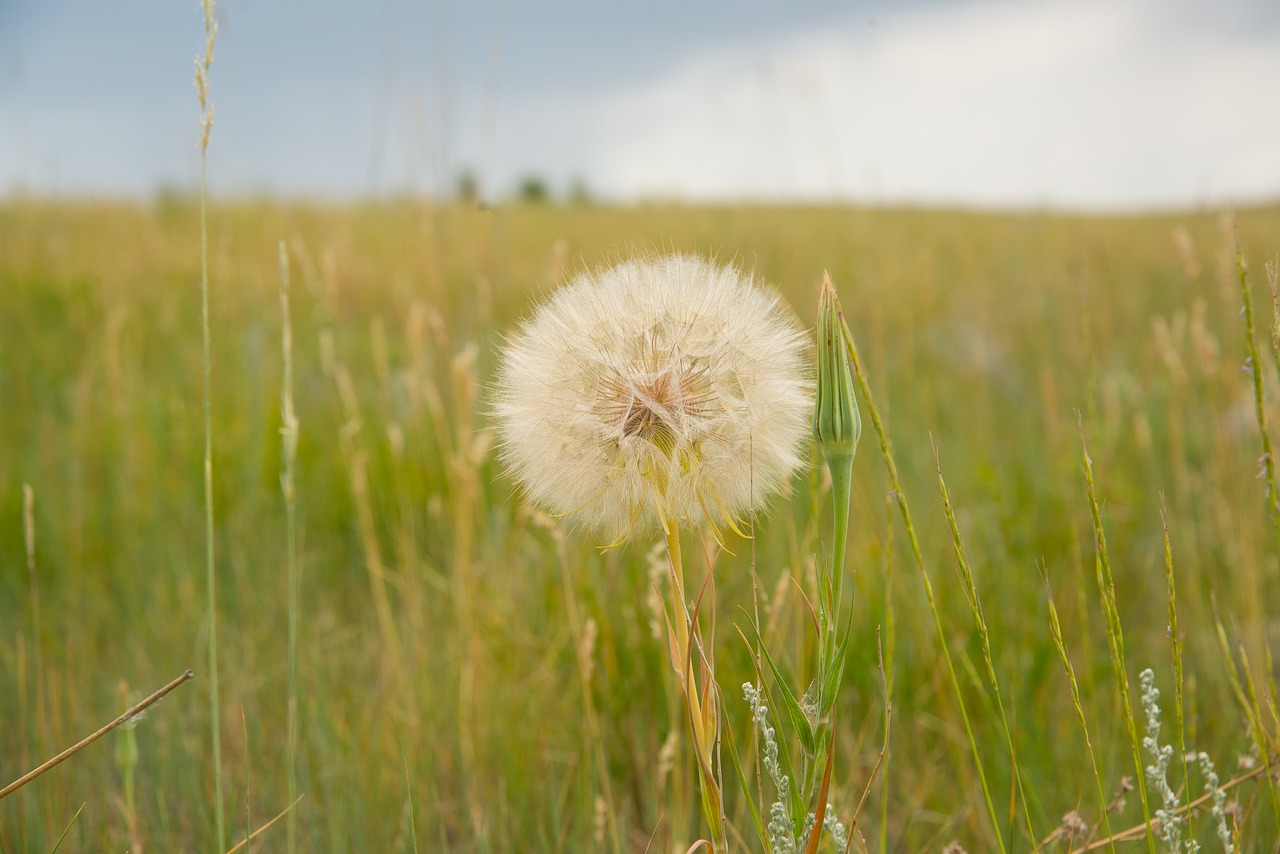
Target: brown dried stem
(128,715)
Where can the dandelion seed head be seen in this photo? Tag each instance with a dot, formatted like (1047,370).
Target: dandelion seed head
(660,391)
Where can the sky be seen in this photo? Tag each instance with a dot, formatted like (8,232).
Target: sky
(1073,104)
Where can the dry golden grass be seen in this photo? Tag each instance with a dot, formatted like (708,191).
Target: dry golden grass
(443,620)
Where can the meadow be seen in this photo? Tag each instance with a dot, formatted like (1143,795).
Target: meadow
(476,676)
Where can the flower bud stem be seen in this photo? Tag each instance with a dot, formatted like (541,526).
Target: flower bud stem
(840,464)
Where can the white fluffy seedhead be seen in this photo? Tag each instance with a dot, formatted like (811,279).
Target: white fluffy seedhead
(662,390)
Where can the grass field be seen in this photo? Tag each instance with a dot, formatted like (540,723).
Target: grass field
(475,676)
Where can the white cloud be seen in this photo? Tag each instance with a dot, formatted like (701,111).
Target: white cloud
(1092,103)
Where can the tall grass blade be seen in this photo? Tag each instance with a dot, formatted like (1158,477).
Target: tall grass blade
(289,439)
(1175,642)
(895,483)
(1263,739)
(975,606)
(67,829)
(1255,372)
(408,791)
(886,670)
(1115,634)
(211,588)
(1055,627)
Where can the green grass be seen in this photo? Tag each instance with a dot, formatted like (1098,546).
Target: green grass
(440,647)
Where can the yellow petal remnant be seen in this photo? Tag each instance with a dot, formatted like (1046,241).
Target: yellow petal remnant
(662,390)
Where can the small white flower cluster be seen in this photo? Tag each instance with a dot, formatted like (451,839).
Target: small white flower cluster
(839,834)
(1214,789)
(781,838)
(1167,816)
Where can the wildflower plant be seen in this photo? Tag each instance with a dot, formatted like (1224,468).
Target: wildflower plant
(1168,817)
(801,779)
(1213,788)
(661,393)
(671,393)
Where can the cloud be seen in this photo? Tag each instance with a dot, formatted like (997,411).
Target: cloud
(1077,104)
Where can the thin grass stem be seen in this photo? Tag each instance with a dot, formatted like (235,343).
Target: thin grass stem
(1256,729)
(584,635)
(1255,372)
(211,589)
(248,810)
(408,791)
(1115,633)
(1265,741)
(248,840)
(975,606)
(289,439)
(895,484)
(1175,643)
(37,631)
(67,829)
(886,661)
(884,747)
(1055,627)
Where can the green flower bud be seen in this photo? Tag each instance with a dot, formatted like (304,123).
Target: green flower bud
(837,426)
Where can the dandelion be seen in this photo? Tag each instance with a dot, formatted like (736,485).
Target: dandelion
(661,392)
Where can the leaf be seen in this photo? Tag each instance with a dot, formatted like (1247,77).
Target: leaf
(746,787)
(835,672)
(673,646)
(797,808)
(800,721)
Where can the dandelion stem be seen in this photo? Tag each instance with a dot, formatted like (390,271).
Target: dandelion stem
(702,731)
(841,468)
(680,614)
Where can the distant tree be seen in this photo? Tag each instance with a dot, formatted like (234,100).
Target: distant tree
(171,200)
(468,187)
(533,190)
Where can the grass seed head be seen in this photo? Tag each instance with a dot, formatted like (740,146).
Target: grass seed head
(663,390)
